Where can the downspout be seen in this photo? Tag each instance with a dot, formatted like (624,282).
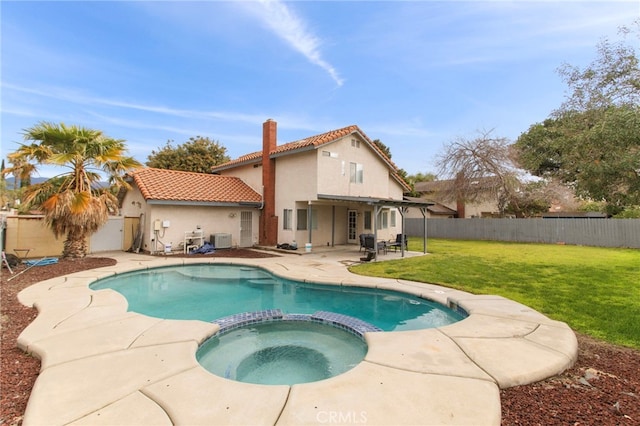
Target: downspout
(333,225)
(262,199)
(309,221)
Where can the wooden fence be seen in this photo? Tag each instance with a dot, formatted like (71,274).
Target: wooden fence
(587,232)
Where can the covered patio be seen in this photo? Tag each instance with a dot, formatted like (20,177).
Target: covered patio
(377,204)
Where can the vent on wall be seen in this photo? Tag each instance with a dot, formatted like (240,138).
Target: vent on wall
(221,241)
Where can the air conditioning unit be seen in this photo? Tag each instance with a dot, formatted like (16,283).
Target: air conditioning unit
(221,241)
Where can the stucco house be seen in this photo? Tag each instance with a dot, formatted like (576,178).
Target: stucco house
(325,190)
(445,206)
(180,210)
(435,210)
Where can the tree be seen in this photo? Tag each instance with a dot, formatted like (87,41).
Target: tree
(72,203)
(382,147)
(198,155)
(418,177)
(21,171)
(401,172)
(4,198)
(482,169)
(592,142)
(532,199)
(422,177)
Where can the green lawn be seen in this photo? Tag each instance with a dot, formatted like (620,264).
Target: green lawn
(594,290)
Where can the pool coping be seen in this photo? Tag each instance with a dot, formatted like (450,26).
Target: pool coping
(104,365)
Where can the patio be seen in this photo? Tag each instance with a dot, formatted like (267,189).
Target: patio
(104,365)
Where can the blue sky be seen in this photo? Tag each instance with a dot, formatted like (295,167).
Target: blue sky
(415,75)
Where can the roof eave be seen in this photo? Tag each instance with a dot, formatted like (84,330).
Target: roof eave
(376,201)
(222,167)
(294,151)
(256,204)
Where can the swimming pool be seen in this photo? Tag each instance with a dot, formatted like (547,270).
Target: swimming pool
(274,330)
(208,292)
(284,352)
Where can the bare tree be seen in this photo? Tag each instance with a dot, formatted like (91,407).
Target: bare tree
(482,168)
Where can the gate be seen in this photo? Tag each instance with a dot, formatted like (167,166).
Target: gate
(108,237)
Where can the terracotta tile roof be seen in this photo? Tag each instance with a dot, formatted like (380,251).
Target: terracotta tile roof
(438,208)
(312,142)
(172,185)
(435,207)
(434,186)
(320,139)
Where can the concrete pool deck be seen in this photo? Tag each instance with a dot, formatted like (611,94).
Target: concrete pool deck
(102,365)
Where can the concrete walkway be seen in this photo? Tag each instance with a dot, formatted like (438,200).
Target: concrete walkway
(102,365)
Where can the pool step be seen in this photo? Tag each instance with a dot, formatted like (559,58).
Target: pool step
(240,320)
(344,322)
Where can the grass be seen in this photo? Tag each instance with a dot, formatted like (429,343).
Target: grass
(594,290)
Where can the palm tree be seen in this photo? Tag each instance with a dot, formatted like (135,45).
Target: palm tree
(72,203)
(21,171)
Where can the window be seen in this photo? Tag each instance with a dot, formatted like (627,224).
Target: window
(355,143)
(302,222)
(287,218)
(356,173)
(367,220)
(301,219)
(383,223)
(393,218)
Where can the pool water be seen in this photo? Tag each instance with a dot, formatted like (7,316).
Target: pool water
(208,292)
(282,353)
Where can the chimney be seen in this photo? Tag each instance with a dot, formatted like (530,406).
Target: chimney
(269,138)
(268,220)
(460,207)
(460,195)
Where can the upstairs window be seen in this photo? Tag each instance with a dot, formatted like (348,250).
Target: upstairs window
(356,173)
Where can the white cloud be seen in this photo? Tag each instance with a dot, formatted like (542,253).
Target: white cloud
(76,97)
(284,22)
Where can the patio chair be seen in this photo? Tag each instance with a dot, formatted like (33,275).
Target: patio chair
(371,254)
(369,242)
(369,247)
(398,243)
(363,241)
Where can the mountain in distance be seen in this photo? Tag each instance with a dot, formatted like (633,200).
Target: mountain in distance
(11,181)
(34,180)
